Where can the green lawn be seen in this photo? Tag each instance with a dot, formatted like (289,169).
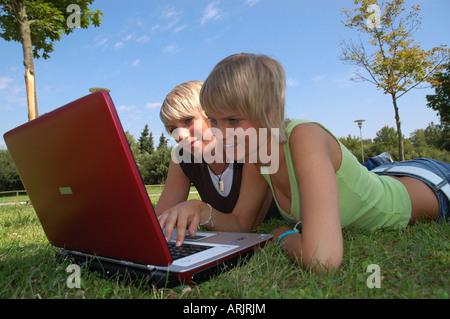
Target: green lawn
(413,263)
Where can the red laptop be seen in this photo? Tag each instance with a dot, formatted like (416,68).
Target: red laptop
(82,180)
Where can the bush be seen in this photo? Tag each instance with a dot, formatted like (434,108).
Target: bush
(9,177)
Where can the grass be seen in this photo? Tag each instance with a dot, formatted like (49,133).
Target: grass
(414,263)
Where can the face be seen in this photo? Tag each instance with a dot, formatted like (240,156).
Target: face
(237,135)
(188,132)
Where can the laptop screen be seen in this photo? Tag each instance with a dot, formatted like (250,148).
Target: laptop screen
(80,175)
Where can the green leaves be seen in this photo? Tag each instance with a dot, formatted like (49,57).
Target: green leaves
(395,64)
(392,61)
(440,101)
(46,19)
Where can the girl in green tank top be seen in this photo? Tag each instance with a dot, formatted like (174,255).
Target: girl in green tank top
(317,181)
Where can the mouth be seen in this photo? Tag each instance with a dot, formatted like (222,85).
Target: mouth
(188,143)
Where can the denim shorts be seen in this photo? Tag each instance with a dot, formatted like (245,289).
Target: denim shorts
(434,173)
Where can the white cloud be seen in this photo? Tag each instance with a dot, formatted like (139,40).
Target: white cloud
(13,94)
(121,43)
(126,108)
(135,63)
(251,3)
(292,82)
(99,43)
(211,12)
(319,78)
(153,106)
(102,42)
(170,49)
(4,82)
(170,12)
(178,29)
(143,39)
(170,17)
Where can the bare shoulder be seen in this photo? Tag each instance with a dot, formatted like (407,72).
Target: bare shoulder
(310,140)
(309,134)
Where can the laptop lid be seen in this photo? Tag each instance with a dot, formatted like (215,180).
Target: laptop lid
(82,180)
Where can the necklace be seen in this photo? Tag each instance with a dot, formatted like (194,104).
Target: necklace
(220,184)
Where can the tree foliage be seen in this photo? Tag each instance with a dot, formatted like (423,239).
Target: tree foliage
(9,177)
(153,165)
(440,101)
(389,57)
(47,21)
(37,24)
(428,142)
(146,143)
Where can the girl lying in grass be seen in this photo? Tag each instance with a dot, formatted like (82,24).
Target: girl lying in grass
(318,181)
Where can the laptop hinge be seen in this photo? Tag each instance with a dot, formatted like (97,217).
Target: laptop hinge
(115,261)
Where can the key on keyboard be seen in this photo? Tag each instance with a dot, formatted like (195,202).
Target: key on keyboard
(185,250)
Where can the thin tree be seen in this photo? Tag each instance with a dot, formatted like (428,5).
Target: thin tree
(392,61)
(37,25)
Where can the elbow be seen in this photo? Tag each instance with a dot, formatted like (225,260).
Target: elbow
(328,265)
(320,260)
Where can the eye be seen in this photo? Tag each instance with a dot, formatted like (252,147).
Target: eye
(188,121)
(212,121)
(234,121)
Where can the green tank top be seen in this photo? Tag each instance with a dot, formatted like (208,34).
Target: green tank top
(366,200)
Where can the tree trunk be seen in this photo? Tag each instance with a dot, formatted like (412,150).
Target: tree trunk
(401,151)
(28,62)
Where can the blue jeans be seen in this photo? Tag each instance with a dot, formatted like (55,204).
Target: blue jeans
(377,160)
(434,173)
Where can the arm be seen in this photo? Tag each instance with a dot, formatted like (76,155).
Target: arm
(249,206)
(176,189)
(320,246)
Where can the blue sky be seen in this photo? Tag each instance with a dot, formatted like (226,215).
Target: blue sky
(144,48)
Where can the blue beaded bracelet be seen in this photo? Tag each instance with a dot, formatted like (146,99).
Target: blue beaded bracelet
(293,231)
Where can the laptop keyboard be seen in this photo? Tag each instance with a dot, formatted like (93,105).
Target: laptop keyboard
(185,250)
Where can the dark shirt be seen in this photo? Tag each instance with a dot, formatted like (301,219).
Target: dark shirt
(199,175)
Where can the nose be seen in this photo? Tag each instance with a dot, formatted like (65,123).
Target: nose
(220,126)
(180,134)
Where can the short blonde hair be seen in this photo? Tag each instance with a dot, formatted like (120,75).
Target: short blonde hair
(251,85)
(183,101)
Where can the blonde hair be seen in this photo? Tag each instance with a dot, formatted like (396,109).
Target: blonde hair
(183,101)
(251,85)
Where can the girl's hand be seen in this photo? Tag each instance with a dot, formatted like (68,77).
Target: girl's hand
(183,216)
